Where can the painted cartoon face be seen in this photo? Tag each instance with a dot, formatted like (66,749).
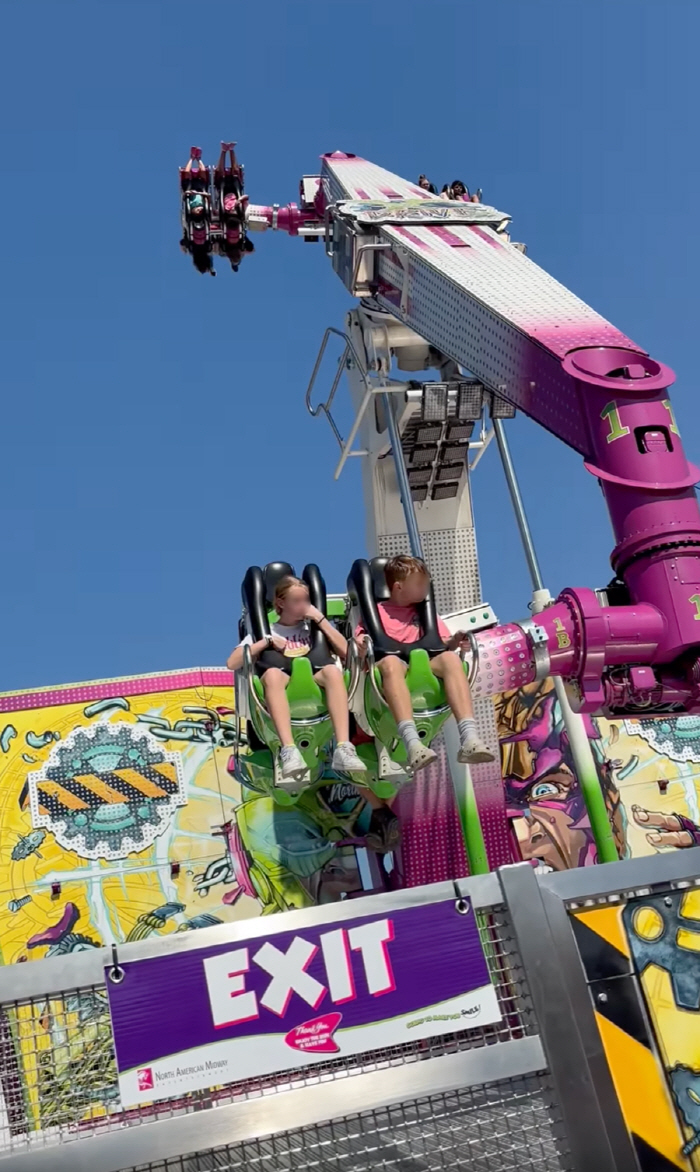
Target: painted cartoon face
(549,827)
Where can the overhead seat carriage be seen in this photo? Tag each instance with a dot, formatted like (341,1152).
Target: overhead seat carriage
(195,185)
(312,729)
(386,758)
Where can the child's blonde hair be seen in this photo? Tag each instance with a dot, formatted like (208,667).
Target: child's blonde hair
(284,586)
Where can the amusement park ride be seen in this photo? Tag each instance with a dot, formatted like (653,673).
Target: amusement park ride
(440,286)
(510,1019)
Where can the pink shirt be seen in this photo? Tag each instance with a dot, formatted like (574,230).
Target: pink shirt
(401,623)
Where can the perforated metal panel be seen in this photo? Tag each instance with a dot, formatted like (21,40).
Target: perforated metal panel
(451,557)
(446,311)
(504,1126)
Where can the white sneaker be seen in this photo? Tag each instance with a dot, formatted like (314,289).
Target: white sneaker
(294,767)
(419,755)
(475,752)
(346,760)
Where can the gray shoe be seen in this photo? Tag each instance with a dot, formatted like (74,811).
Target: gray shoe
(475,752)
(419,755)
(346,760)
(293,765)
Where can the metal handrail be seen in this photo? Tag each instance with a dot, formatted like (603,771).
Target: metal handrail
(325,408)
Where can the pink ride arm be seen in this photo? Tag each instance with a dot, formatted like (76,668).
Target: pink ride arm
(480,301)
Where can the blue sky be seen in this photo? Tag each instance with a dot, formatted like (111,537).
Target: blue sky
(153,428)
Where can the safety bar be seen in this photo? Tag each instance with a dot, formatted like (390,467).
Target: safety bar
(354,664)
(248,676)
(370,662)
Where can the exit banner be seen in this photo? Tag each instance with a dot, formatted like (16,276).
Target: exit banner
(197,1019)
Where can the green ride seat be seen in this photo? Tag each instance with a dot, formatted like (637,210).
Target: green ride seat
(311,725)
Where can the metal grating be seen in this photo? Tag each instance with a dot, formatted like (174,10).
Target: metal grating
(58,1074)
(501,1127)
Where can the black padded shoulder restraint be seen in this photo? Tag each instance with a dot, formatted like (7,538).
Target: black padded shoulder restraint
(258,591)
(366,587)
(317,597)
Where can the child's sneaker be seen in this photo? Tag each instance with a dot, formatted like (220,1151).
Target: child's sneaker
(419,755)
(294,767)
(346,760)
(475,752)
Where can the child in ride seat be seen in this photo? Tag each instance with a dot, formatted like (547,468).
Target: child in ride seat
(273,656)
(228,180)
(408,580)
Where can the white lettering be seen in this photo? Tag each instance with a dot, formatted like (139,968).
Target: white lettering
(370,940)
(288,972)
(228,999)
(336,956)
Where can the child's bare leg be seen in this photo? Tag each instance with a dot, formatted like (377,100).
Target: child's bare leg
(393,672)
(345,758)
(331,680)
(448,667)
(275,684)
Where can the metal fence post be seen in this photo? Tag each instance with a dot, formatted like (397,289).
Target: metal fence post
(595,1129)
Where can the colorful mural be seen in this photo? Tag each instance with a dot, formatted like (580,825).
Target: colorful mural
(649,770)
(120,819)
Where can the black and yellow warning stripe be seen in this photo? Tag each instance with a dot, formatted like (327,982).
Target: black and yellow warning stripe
(57,798)
(639,1079)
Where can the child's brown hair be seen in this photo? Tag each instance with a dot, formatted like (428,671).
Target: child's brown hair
(402,567)
(284,586)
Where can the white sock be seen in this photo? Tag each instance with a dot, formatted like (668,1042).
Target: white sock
(467,730)
(408,733)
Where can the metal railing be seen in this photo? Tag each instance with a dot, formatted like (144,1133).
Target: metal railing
(528,1092)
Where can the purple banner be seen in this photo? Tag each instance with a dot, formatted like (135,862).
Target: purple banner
(214,1015)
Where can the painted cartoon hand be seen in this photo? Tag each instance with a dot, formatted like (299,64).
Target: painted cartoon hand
(665,829)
